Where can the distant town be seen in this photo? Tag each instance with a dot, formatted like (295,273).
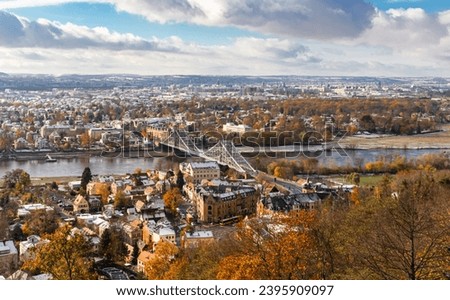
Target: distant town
(242,192)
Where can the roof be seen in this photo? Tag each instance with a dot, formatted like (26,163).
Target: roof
(199,234)
(7,247)
(204,165)
(145,256)
(165,231)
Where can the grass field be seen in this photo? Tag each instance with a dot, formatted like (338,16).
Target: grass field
(429,140)
(365,180)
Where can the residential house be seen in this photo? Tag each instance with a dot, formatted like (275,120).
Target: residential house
(21,144)
(143,258)
(9,258)
(25,247)
(80,205)
(153,233)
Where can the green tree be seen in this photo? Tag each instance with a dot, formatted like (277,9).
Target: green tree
(86,177)
(135,254)
(112,246)
(65,256)
(180,180)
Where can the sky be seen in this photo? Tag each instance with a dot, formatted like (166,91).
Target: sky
(388,38)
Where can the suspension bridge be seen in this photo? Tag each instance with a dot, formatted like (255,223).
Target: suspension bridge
(224,152)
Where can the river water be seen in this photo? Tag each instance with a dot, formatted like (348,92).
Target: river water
(122,165)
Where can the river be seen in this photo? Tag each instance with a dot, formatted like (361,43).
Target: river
(122,165)
(98,165)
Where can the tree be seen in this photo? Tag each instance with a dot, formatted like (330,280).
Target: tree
(103,190)
(180,180)
(403,234)
(159,264)
(40,223)
(120,200)
(172,199)
(17,179)
(54,186)
(65,256)
(86,177)
(85,140)
(269,249)
(4,228)
(112,246)
(135,253)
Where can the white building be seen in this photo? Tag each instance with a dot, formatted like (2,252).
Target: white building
(25,246)
(232,128)
(8,257)
(27,209)
(201,170)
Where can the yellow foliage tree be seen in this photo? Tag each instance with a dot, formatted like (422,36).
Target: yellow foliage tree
(159,264)
(172,199)
(65,256)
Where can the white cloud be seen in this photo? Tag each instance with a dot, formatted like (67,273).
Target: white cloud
(400,42)
(16,32)
(319,19)
(414,35)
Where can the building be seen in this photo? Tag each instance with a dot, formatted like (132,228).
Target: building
(143,258)
(158,131)
(278,202)
(74,185)
(201,170)
(232,128)
(28,209)
(194,239)
(153,233)
(21,144)
(26,246)
(216,203)
(9,258)
(95,134)
(80,205)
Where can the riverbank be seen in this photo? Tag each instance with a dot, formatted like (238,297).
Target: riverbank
(43,155)
(435,140)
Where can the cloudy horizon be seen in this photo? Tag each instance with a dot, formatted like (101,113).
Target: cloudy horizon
(226,37)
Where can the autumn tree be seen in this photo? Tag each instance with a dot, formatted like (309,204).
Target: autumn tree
(269,249)
(172,199)
(17,179)
(40,222)
(4,228)
(103,190)
(160,262)
(112,246)
(85,140)
(65,256)
(120,200)
(403,234)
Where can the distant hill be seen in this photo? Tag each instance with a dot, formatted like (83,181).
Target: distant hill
(108,81)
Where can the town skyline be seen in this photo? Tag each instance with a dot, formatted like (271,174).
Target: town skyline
(302,37)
